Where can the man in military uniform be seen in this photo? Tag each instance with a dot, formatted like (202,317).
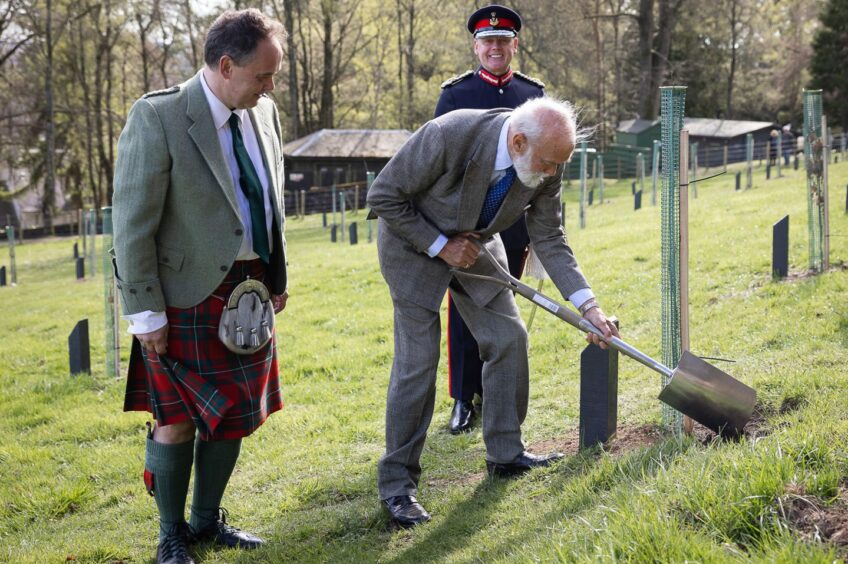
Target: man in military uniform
(493,85)
(198,209)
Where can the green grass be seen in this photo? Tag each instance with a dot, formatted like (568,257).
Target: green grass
(71,461)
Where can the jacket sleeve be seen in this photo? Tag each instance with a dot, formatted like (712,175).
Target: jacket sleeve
(142,177)
(544,224)
(410,173)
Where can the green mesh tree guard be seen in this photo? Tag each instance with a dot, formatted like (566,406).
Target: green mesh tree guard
(112,334)
(583,157)
(749,156)
(91,232)
(13,270)
(655,170)
(599,160)
(672,105)
(693,175)
(814,162)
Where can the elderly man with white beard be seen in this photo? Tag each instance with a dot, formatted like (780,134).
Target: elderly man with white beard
(458,181)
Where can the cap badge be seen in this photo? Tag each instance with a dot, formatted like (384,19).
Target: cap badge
(494,19)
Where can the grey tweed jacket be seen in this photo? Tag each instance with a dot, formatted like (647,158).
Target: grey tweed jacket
(175,213)
(436,183)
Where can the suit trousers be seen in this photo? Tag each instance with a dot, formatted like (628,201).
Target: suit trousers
(465,369)
(502,338)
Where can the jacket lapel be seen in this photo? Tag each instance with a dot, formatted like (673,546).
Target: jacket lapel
(203,133)
(261,128)
(478,173)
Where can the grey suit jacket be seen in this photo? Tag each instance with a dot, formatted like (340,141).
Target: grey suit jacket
(175,213)
(436,183)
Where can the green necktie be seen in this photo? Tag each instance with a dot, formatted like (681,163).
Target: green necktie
(252,188)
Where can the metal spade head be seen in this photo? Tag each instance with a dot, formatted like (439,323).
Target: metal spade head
(709,396)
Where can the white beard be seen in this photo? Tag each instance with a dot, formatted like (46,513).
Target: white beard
(523,170)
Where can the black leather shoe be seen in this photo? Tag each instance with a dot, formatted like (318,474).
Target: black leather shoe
(524,462)
(462,417)
(223,534)
(405,511)
(173,549)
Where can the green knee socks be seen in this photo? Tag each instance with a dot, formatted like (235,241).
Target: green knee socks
(213,464)
(170,465)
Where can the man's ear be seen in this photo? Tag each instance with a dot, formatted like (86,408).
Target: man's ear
(519,143)
(225,66)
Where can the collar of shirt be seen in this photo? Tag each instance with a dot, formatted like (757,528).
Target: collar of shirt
(220,112)
(503,161)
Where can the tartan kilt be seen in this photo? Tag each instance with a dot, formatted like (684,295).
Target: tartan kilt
(226,395)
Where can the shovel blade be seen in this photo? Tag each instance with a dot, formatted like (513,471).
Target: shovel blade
(709,396)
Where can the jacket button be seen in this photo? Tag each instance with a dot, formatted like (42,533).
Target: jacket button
(132,290)
(148,289)
(165,259)
(224,268)
(239,232)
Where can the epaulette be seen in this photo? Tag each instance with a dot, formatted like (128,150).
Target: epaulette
(162,92)
(456,79)
(529,79)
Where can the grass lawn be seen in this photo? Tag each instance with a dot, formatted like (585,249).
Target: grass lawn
(71,461)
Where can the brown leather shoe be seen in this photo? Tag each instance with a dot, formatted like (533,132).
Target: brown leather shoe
(524,462)
(405,511)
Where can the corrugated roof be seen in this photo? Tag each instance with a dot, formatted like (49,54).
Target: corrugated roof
(700,127)
(349,143)
(636,126)
(723,128)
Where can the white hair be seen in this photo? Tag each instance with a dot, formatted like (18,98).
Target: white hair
(534,117)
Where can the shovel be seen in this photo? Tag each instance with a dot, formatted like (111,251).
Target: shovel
(695,388)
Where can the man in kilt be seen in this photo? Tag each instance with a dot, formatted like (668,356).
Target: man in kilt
(198,209)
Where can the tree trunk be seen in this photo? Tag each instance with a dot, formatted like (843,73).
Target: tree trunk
(294,111)
(734,38)
(645,22)
(49,196)
(326,111)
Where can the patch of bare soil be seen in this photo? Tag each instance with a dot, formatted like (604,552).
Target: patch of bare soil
(757,427)
(834,267)
(815,521)
(626,439)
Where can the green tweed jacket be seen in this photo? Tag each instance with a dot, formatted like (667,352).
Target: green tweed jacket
(174,208)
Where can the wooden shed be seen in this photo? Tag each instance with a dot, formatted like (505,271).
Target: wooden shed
(339,156)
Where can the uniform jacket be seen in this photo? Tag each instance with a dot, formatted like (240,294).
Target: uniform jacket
(175,213)
(436,183)
(470,91)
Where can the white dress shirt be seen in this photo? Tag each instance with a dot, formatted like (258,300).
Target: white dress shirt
(148,321)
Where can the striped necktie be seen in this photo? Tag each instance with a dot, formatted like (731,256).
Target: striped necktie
(252,188)
(495,197)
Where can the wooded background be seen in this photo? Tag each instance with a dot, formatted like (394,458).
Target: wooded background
(70,70)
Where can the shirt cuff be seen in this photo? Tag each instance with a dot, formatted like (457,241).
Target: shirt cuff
(437,246)
(146,322)
(580,297)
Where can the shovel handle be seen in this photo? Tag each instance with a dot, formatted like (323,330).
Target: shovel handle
(565,313)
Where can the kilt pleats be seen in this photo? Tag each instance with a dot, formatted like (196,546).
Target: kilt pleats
(226,395)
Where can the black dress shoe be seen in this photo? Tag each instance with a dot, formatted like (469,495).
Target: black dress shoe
(406,511)
(223,534)
(524,462)
(173,549)
(462,417)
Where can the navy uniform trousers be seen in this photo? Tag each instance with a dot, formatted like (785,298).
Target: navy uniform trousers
(470,91)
